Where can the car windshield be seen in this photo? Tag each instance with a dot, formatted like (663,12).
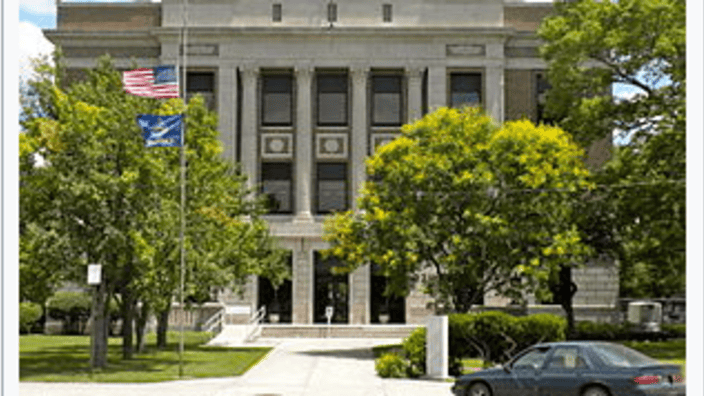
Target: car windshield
(621,356)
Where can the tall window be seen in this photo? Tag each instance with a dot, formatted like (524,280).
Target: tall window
(541,88)
(202,83)
(332,187)
(276,100)
(386,9)
(276,12)
(387,103)
(332,100)
(332,12)
(277,186)
(466,89)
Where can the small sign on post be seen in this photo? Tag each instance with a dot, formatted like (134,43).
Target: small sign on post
(329,310)
(94,272)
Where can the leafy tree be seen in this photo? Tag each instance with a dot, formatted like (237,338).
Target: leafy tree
(473,204)
(590,45)
(110,200)
(638,216)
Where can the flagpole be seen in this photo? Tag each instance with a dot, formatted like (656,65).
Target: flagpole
(183,190)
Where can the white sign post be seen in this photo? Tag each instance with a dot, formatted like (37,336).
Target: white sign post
(437,347)
(94,272)
(329,310)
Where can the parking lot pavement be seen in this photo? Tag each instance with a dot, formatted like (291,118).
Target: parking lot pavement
(295,367)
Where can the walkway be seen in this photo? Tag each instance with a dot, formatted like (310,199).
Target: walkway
(295,367)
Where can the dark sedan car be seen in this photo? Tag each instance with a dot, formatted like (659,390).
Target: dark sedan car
(577,368)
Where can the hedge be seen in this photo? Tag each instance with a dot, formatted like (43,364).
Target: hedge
(494,336)
(72,308)
(30,313)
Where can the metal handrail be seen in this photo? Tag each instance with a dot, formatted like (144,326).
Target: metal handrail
(214,322)
(255,322)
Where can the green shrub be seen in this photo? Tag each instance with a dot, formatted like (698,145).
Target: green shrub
(675,330)
(539,328)
(414,350)
(72,308)
(30,313)
(598,331)
(391,365)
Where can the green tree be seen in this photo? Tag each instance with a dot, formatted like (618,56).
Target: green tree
(476,205)
(108,199)
(590,45)
(638,216)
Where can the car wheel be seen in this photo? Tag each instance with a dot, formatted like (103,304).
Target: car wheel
(595,391)
(478,389)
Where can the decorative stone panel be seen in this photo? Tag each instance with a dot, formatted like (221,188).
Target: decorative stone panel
(465,50)
(331,146)
(277,145)
(380,139)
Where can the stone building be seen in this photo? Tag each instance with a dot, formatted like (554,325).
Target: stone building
(306,89)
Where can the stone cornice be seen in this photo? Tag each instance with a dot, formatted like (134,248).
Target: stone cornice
(500,32)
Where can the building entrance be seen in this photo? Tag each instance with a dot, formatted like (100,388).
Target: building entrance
(277,301)
(384,308)
(331,290)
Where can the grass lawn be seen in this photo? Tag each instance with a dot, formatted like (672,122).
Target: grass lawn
(66,359)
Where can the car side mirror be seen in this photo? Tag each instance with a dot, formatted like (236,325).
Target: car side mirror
(507,368)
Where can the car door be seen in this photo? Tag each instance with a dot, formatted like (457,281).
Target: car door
(521,373)
(563,373)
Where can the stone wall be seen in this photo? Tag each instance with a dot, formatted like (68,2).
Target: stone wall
(108,17)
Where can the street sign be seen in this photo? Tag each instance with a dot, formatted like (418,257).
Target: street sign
(94,272)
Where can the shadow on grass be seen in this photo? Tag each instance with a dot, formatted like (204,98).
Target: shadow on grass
(68,359)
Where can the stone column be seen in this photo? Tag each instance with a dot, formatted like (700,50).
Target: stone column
(227,110)
(249,150)
(302,284)
(437,87)
(414,74)
(304,144)
(359,280)
(359,129)
(495,93)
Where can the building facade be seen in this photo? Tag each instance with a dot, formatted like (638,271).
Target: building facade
(307,89)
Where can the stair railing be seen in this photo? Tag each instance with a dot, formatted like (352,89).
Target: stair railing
(254,327)
(214,324)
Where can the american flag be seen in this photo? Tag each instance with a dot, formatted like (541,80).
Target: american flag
(160,82)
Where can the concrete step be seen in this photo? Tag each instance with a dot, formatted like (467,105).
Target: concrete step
(336,331)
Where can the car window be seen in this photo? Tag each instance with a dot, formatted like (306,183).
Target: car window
(532,359)
(569,358)
(621,356)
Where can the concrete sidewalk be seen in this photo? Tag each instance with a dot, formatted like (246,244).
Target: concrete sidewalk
(295,367)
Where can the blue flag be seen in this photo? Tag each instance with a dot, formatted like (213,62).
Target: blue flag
(161,131)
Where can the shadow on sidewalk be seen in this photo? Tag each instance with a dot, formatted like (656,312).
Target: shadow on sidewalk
(357,353)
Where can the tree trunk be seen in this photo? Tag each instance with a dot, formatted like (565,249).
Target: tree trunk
(99,334)
(127,323)
(142,318)
(162,325)
(567,292)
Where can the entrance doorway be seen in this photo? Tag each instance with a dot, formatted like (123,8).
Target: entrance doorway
(384,308)
(277,301)
(331,290)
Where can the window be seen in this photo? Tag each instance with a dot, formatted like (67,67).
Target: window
(332,187)
(466,89)
(386,8)
(202,83)
(566,358)
(332,12)
(541,88)
(332,100)
(276,100)
(277,186)
(533,359)
(387,103)
(276,12)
